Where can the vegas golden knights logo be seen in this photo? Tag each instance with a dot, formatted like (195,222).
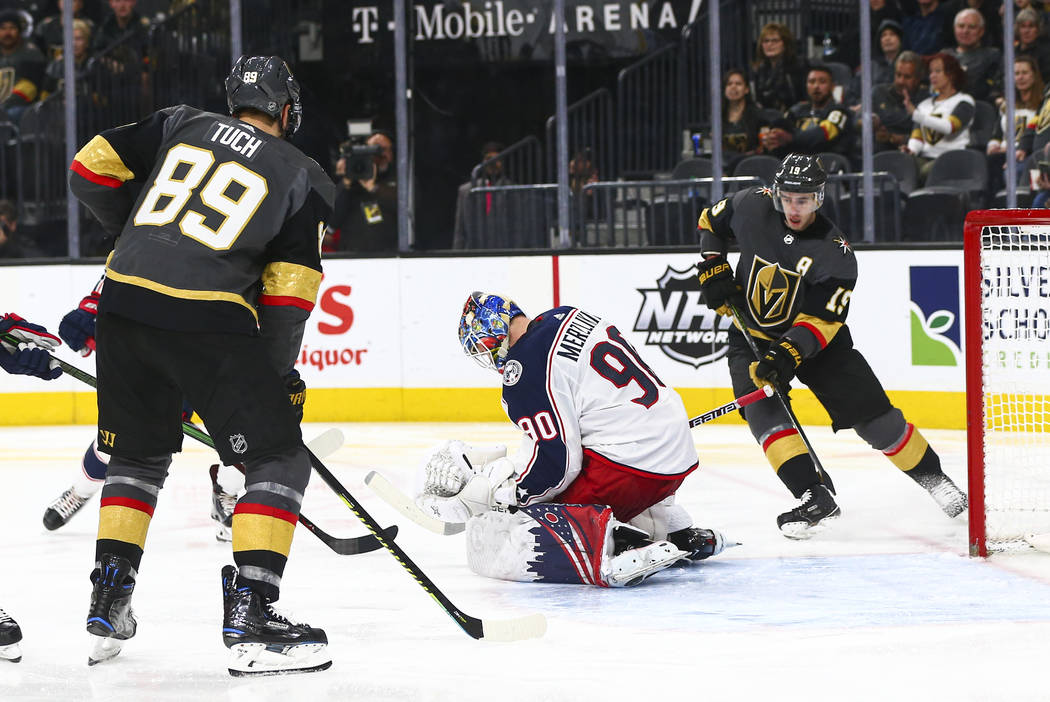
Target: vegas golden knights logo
(7,82)
(771,292)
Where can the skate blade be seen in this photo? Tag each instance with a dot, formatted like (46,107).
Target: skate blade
(800,531)
(251,659)
(638,577)
(103,648)
(223,534)
(11,652)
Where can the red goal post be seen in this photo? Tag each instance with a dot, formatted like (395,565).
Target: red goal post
(1007,329)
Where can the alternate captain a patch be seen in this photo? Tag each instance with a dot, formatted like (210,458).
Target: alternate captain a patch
(771,292)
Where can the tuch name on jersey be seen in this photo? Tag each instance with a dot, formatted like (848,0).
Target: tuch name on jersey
(235,139)
(576,335)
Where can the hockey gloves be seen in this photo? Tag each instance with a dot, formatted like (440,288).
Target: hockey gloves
(296,394)
(78,327)
(28,353)
(777,365)
(718,284)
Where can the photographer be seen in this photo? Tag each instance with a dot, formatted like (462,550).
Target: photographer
(365,217)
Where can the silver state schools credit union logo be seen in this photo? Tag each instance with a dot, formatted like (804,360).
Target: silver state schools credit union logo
(674,317)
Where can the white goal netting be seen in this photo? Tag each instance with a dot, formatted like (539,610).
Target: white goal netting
(1015,358)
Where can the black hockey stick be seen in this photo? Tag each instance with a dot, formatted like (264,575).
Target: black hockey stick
(527,627)
(344,547)
(780,396)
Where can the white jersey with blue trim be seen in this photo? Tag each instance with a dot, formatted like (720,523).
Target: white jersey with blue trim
(572,383)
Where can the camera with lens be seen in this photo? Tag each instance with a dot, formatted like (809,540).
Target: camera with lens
(360,158)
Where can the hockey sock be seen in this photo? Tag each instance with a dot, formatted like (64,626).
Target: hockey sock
(94,467)
(913,455)
(128,500)
(787,453)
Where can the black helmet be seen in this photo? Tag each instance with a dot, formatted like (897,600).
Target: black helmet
(266,84)
(800,173)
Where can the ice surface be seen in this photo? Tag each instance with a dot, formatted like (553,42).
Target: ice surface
(884,605)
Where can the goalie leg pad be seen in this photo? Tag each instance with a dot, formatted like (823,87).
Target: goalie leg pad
(556,543)
(663,518)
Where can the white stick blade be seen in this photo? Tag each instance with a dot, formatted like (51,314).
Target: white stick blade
(326,443)
(1040,542)
(531,626)
(406,506)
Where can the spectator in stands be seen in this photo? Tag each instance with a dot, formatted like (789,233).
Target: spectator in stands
(891,120)
(881,10)
(24,60)
(1029,39)
(778,75)
(993,22)
(818,124)
(929,28)
(365,217)
(1021,5)
(1028,82)
(583,171)
(889,44)
(83,65)
(740,120)
(122,22)
(9,246)
(466,232)
(941,121)
(49,32)
(983,64)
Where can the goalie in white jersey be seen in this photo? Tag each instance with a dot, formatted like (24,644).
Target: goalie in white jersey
(605,444)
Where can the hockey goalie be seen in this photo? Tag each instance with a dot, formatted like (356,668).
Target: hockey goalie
(589,496)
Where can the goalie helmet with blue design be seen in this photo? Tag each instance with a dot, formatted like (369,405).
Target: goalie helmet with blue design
(484,326)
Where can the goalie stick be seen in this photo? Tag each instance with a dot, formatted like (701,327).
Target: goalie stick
(408,507)
(326,443)
(783,400)
(527,627)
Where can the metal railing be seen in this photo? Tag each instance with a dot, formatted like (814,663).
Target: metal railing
(844,205)
(521,163)
(647,112)
(590,128)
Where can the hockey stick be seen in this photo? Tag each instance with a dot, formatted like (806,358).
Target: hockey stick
(408,507)
(528,627)
(326,443)
(783,400)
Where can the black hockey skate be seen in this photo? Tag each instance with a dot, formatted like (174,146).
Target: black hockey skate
(63,508)
(699,543)
(944,492)
(110,620)
(222,506)
(10,635)
(817,511)
(262,641)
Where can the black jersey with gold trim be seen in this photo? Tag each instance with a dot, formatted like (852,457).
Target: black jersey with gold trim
(215,219)
(790,279)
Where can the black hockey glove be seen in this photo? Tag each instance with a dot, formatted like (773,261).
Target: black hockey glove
(718,284)
(777,365)
(296,393)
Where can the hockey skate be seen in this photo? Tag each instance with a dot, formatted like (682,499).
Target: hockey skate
(63,508)
(222,506)
(817,511)
(10,635)
(262,641)
(699,543)
(110,620)
(635,557)
(945,493)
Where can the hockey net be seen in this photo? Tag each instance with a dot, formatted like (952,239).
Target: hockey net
(1007,293)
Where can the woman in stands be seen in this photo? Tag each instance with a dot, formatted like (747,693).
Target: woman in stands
(941,122)
(740,120)
(779,74)
(1028,82)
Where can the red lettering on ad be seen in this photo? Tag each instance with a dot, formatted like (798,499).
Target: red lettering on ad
(324,358)
(340,310)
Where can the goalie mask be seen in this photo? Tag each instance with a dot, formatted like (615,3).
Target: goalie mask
(266,84)
(800,174)
(483,328)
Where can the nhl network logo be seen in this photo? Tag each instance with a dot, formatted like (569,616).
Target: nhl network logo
(674,317)
(238,443)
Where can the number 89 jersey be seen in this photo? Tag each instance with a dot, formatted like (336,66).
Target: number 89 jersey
(214,217)
(574,385)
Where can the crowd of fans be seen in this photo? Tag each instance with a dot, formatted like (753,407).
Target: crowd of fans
(937,71)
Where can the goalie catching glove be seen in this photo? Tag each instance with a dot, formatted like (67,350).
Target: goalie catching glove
(718,284)
(458,480)
(777,366)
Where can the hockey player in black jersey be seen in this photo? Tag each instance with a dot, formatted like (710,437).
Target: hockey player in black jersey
(214,273)
(793,284)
